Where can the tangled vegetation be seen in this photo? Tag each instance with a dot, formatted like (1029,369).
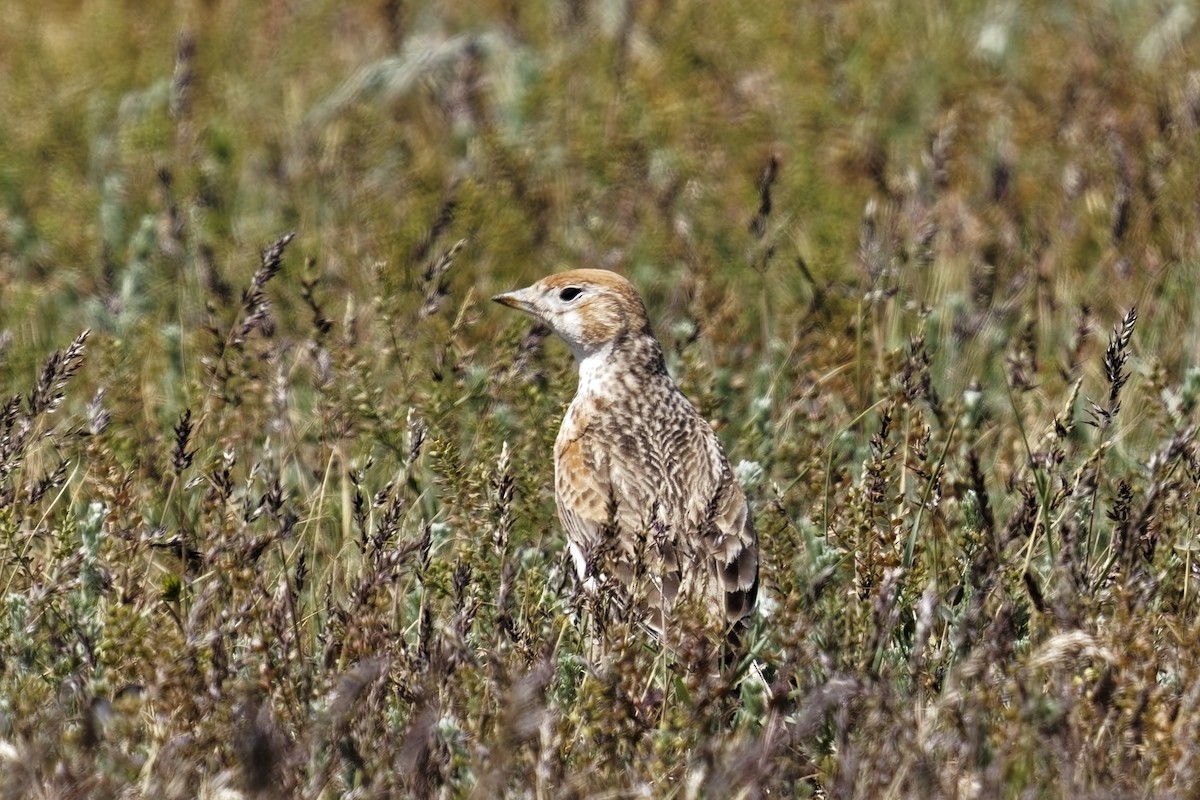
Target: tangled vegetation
(276,516)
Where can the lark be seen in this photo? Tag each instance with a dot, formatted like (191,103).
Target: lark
(644,491)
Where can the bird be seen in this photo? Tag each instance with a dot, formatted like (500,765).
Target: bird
(644,490)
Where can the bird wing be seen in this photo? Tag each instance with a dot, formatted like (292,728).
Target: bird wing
(582,492)
(733,543)
(605,511)
(609,498)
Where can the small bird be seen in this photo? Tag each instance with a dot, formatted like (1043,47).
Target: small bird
(643,487)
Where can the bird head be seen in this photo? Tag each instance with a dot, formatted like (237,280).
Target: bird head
(589,309)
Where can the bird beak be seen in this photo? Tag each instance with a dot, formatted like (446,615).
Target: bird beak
(520,299)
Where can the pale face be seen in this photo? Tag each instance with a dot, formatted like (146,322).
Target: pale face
(587,308)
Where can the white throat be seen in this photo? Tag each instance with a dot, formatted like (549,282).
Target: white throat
(595,369)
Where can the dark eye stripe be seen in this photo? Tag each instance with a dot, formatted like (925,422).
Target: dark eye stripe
(570,293)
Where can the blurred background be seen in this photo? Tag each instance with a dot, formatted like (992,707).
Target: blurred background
(892,250)
(146,156)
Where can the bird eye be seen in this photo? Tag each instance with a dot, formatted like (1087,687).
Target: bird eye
(570,293)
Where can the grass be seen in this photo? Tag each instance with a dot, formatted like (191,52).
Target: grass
(276,516)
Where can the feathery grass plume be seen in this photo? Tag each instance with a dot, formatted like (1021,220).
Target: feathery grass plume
(321,324)
(51,480)
(256,307)
(254,314)
(881,452)
(766,180)
(1097,565)
(356,476)
(1119,511)
(181,457)
(980,494)
(433,279)
(915,378)
(467,609)
(98,417)
(417,430)
(1022,360)
(14,430)
(19,430)
(502,496)
(58,370)
(1115,357)
(1137,533)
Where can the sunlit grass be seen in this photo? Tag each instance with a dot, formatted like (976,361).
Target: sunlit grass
(285,527)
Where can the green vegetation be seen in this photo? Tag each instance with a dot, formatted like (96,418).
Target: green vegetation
(282,525)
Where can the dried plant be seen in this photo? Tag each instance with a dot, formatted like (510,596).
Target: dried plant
(268,533)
